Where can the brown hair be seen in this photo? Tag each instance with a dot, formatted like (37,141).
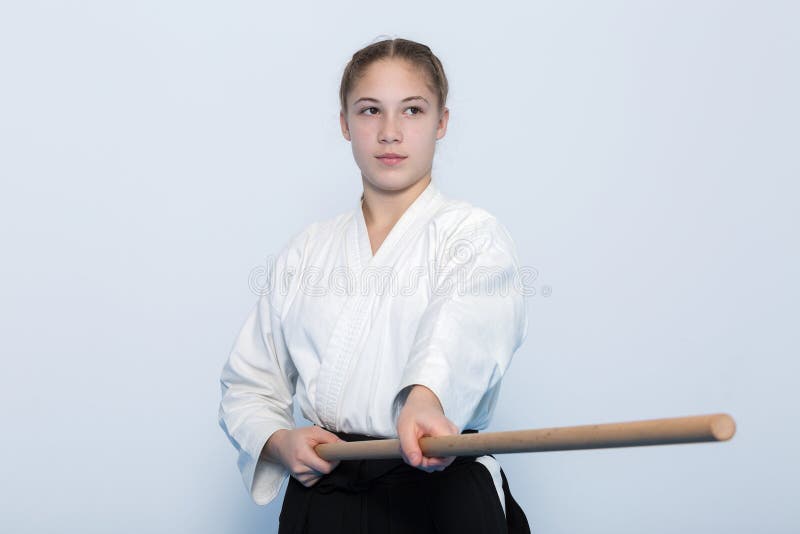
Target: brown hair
(417,54)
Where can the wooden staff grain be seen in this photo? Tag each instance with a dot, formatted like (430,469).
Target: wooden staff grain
(666,431)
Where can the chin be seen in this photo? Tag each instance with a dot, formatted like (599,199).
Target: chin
(397,183)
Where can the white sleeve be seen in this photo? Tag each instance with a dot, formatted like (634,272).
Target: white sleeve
(471,327)
(258,383)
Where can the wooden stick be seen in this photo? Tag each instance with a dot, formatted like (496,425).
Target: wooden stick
(672,430)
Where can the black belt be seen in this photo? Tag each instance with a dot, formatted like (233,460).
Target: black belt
(361,475)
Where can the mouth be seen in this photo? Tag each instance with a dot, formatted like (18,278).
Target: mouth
(391,159)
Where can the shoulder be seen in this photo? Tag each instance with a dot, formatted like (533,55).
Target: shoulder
(293,255)
(296,247)
(459,220)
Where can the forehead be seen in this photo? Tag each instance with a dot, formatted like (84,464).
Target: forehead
(391,79)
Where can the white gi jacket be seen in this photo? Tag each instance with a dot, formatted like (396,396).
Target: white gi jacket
(439,304)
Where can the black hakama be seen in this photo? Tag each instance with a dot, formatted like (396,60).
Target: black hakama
(391,497)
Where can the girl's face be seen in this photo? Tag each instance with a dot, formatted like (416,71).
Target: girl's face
(391,110)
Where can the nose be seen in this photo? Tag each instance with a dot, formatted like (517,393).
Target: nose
(390,130)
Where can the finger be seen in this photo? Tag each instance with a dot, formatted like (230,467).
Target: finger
(441,426)
(300,477)
(439,463)
(308,476)
(426,468)
(317,464)
(324,436)
(433,464)
(409,446)
(308,481)
(308,457)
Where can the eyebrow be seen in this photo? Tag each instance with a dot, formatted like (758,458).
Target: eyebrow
(370,99)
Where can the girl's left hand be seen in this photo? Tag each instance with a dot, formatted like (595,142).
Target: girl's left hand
(421,416)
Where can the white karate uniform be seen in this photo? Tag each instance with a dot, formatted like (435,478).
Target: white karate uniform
(439,304)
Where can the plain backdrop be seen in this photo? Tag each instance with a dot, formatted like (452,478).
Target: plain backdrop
(643,154)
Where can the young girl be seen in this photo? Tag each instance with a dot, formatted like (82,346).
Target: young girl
(396,319)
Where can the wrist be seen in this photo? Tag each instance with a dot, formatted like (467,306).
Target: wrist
(271,449)
(420,393)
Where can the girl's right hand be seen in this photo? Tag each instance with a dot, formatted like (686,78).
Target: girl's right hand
(295,450)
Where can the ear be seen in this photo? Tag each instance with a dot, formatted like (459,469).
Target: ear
(441,128)
(343,124)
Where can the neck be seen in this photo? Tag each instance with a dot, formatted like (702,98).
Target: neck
(383,208)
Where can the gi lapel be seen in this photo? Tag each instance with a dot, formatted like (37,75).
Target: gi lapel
(355,315)
(412,215)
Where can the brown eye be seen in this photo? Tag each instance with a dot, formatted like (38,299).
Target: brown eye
(365,109)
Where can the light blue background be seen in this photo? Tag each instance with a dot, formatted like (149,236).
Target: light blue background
(644,156)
